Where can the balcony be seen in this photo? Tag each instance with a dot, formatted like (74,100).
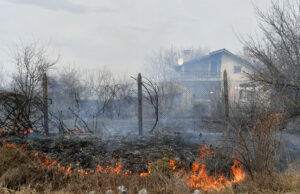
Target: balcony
(200,76)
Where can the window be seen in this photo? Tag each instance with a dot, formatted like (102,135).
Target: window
(214,67)
(237,69)
(246,95)
(242,94)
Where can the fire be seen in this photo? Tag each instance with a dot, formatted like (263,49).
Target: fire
(36,154)
(172,165)
(47,163)
(238,173)
(61,167)
(25,132)
(127,172)
(198,177)
(118,168)
(144,174)
(68,171)
(110,169)
(22,130)
(99,169)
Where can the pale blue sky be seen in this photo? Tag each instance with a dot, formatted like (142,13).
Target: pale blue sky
(121,33)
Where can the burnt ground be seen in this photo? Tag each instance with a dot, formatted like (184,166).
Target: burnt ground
(86,151)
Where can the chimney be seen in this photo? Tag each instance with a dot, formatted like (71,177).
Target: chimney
(246,51)
(187,55)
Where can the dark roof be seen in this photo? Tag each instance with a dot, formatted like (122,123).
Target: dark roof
(215,53)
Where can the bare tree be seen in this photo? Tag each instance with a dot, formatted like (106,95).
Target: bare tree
(124,98)
(3,77)
(31,61)
(69,94)
(276,55)
(104,88)
(153,91)
(172,93)
(255,128)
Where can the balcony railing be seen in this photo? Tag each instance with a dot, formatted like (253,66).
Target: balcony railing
(199,75)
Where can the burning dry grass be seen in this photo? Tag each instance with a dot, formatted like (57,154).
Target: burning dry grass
(21,172)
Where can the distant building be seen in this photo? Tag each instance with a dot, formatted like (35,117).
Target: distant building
(204,76)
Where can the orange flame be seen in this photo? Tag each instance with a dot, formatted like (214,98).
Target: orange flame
(118,168)
(98,168)
(172,165)
(238,173)
(200,178)
(68,171)
(36,154)
(144,174)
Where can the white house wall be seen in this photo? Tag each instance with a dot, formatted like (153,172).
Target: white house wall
(234,79)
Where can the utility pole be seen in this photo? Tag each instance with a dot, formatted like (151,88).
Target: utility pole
(45,103)
(140,104)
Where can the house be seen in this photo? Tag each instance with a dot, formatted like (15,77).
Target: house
(204,76)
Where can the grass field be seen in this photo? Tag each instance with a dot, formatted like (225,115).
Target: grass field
(20,172)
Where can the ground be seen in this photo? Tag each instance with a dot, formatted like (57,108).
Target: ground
(27,165)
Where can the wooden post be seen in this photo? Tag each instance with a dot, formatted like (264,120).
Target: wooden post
(226,101)
(45,103)
(226,97)
(140,104)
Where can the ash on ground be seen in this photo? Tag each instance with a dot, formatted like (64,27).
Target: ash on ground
(135,152)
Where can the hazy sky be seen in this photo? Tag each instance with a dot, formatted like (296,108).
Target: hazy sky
(121,33)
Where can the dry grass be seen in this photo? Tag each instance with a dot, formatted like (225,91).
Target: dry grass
(21,173)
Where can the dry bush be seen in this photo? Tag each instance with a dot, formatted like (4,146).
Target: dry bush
(254,138)
(276,183)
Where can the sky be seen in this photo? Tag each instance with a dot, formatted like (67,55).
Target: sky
(121,34)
